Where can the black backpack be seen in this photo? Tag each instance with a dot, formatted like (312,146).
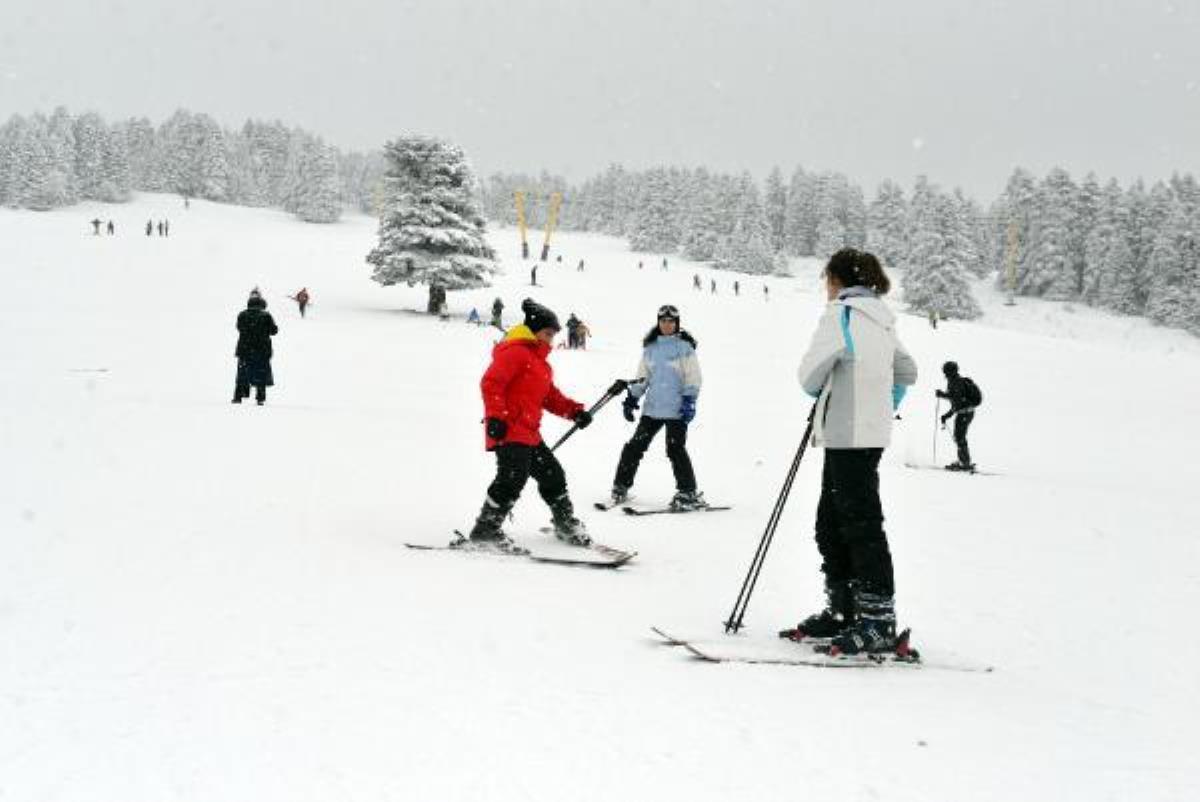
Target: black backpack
(973,393)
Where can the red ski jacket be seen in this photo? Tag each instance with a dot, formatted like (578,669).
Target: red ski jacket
(518,385)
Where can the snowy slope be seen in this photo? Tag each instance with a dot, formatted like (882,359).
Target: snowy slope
(207,602)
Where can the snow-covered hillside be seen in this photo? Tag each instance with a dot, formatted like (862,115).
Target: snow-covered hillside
(201,601)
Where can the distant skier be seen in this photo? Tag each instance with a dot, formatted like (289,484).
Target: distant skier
(112,229)
(96,226)
(149,228)
(559,259)
(533,275)
(516,387)
(696,282)
(639,265)
(933,318)
(474,317)
(160,228)
(670,374)
(858,370)
(302,298)
(964,397)
(572,327)
(737,288)
(166,228)
(498,314)
(254,351)
(766,293)
(187,204)
(582,332)
(713,286)
(664,267)
(580,268)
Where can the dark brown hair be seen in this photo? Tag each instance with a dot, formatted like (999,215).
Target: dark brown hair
(853,268)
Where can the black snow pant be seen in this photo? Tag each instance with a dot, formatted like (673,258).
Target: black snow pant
(850,532)
(303,306)
(515,463)
(962,422)
(681,463)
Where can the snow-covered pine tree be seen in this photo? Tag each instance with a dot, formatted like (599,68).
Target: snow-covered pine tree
(145,172)
(654,218)
(934,277)
(887,225)
(318,198)
(1111,278)
(965,233)
(431,228)
(701,231)
(775,208)
(1087,204)
(1173,272)
(91,136)
(854,214)
(831,237)
(800,221)
(1047,270)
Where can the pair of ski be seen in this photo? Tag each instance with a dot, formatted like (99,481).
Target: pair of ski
(629,509)
(972,471)
(594,555)
(812,653)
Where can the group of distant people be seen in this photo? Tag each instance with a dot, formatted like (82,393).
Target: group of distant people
(163,226)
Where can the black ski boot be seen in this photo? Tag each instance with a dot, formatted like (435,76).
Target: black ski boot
(620,495)
(874,630)
(830,622)
(567,527)
(688,501)
(486,534)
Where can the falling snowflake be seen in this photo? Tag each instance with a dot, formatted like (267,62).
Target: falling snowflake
(918,143)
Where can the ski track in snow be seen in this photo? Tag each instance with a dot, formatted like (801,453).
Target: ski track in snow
(207,602)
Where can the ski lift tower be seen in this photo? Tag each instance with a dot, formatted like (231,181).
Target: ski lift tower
(551,222)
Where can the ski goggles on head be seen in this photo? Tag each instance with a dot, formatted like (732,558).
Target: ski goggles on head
(668,312)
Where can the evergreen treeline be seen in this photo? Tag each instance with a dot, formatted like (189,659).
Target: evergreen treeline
(1129,250)
(57,160)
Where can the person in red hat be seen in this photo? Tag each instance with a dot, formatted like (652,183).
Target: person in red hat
(516,387)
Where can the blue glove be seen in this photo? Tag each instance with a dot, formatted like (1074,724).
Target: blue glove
(898,391)
(629,406)
(687,410)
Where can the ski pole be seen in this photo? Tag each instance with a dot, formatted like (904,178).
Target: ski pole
(617,388)
(937,414)
(743,600)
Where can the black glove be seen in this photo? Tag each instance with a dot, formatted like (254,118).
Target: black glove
(940,394)
(618,387)
(629,406)
(496,428)
(583,419)
(945,418)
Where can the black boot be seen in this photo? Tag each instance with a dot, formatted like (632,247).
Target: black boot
(487,534)
(567,527)
(874,631)
(830,622)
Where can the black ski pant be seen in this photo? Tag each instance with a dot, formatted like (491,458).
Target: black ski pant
(962,422)
(515,463)
(635,449)
(303,305)
(850,532)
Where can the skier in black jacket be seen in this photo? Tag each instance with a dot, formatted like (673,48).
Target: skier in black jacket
(255,328)
(964,397)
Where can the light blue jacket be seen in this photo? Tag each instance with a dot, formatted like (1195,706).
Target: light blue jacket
(671,371)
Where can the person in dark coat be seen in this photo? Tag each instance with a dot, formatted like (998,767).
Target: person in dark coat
(96,221)
(112,229)
(149,228)
(498,314)
(572,335)
(302,299)
(255,328)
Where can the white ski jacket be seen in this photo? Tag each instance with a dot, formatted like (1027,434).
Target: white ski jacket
(858,370)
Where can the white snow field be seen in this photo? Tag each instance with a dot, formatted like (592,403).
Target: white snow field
(201,601)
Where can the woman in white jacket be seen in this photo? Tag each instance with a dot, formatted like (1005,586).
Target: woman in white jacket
(858,371)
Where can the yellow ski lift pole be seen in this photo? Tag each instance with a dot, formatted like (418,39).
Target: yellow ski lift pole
(551,222)
(520,198)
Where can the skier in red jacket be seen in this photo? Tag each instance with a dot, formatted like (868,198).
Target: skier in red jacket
(516,387)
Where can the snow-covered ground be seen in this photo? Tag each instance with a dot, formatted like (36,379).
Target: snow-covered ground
(200,601)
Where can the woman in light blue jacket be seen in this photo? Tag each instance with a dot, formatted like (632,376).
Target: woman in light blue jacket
(668,379)
(858,370)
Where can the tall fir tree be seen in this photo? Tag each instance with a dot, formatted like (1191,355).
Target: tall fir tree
(934,279)
(775,207)
(431,227)
(887,225)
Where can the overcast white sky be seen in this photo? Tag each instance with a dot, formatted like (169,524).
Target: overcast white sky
(959,89)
